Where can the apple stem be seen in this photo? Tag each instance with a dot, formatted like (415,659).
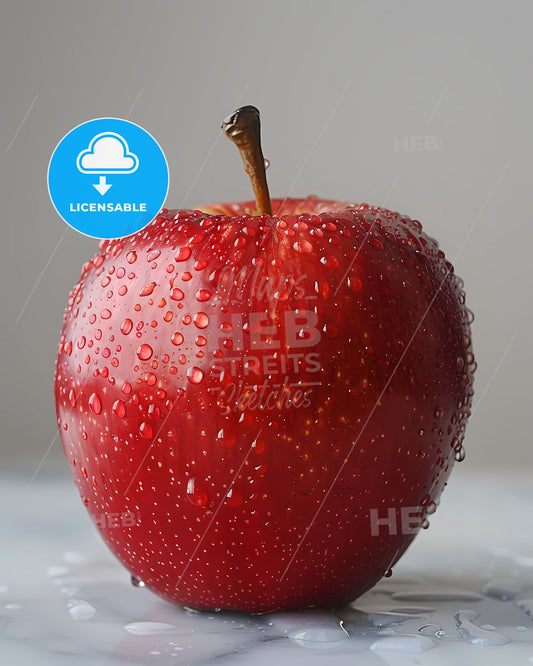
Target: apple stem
(243,127)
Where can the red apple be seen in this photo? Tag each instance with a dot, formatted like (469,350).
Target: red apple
(260,410)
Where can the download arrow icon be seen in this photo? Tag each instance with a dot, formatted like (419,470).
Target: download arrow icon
(102,186)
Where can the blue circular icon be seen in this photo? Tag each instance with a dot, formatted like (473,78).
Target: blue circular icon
(108,178)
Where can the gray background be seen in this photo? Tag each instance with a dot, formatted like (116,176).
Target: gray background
(346,90)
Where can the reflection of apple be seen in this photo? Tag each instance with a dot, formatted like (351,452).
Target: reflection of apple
(259,411)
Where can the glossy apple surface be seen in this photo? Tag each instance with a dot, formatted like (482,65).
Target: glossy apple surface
(259,412)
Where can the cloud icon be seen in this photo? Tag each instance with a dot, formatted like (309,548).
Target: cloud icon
(107,153)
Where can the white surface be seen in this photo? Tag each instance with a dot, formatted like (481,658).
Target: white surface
(65,600)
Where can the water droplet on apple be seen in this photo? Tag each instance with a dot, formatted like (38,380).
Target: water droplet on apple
(460,453)
(195,375)
(131,257)
(136,582)
(144,352)
(176,294)
(234,497)
(330,330)
(267,163)
(177,339)
(201,320)
(196,492)
(126,326)
(322,288)
(465,340)
(330,261)
(226,438)
(126,388)
(146,430)
(153,411)
(355,284)
(202,295)
(438,413)
(67,348)
(81,342)
(259,446)
(105,314)
(119,409)
(152,255)
(148,289)
(183,254)
(95,404)
(72,397)
(303,246)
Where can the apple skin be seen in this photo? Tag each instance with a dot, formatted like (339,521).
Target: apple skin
(206,493)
